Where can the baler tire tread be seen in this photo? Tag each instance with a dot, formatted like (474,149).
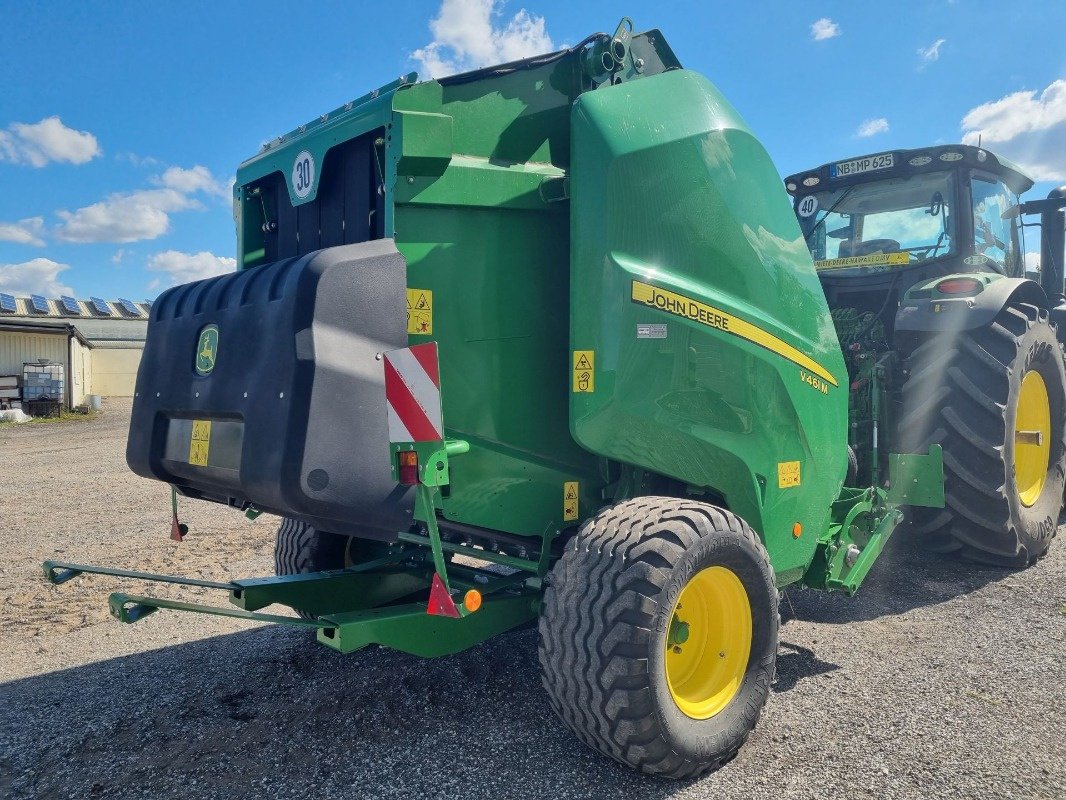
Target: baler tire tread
(301,548)
(596,625)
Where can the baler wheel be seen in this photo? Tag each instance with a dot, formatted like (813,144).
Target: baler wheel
(301,548)
(995,399)
(658,637)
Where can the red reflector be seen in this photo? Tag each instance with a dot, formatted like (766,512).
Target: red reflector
(408,467)
(440,602)
(959,286)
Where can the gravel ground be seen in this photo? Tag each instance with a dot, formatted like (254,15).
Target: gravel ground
(937,680)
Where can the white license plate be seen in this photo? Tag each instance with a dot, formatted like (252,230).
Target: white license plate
(858,165)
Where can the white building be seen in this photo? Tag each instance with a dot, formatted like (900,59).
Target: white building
(99,342)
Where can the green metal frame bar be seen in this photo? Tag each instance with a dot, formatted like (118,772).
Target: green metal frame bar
(472,552)
(853,574)
(320,593)
(58,572)
(864,519)
(465,577)
(410,629)
(132,608)
(358,606)
(355,624)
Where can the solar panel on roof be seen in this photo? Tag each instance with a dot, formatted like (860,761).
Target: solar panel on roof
(70,305)
(129,307)
(100,306)
(7,302)
(39,304)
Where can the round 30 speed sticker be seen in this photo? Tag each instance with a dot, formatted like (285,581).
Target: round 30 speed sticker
(303,174)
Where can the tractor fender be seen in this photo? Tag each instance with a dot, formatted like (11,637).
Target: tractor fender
(967,313)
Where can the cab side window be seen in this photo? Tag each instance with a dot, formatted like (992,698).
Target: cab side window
(995,238)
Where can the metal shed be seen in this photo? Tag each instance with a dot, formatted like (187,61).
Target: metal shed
(29,342)
(113,329)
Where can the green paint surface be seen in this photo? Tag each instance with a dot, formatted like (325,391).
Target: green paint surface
(670,189)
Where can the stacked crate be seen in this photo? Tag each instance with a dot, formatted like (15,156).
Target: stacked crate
(43,382)
(10,394)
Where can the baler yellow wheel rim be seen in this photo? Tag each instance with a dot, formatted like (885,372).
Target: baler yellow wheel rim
(1032,438)
(708,642)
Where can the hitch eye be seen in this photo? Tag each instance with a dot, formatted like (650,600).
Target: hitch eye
(408,467)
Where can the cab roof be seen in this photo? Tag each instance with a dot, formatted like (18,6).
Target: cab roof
(907,162)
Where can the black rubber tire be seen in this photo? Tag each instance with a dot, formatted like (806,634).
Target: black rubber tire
(604,625)
(301,548)
(853,468)
(962,393)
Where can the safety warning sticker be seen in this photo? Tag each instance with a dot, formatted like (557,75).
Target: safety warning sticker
(788,474)
(584,371)
(420,311)
(200,444)
(570,491)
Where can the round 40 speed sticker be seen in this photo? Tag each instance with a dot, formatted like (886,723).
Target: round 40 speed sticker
(807,206)
(303,174)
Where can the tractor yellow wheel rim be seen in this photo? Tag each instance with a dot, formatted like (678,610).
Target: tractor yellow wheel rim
(1032,438)
(708,642)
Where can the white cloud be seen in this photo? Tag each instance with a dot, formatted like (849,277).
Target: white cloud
(45,141)
(185,267)
(136,160)
(932,52)
(143,214)
(824,28)
(195,179)
(38,276)
(872,127)
(124,217)
(25,231)
(1026,128)
(465,37)
(1032,262)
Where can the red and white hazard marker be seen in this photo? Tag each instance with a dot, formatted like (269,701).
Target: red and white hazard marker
(412,390)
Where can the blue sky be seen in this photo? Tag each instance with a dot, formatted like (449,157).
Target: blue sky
(121,124)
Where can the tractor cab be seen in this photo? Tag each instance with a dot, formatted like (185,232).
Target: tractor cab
(881,223)
(908,210)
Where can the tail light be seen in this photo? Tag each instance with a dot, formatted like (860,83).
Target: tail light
(959,286)
(408,467)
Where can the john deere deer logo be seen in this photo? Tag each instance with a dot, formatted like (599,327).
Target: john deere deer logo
(207,350)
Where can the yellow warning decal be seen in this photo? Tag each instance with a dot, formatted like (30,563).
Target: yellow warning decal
(584,371)
(420,311)
(788,474)
(686,307)
(570,491)
(200,443)
(873,260)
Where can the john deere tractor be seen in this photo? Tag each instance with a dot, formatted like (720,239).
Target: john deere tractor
(921,256)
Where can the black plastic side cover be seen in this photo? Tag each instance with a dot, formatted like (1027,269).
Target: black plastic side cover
(289,383)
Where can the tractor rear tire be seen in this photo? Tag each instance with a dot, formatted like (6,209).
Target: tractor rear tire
(976,394)
(669,690)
